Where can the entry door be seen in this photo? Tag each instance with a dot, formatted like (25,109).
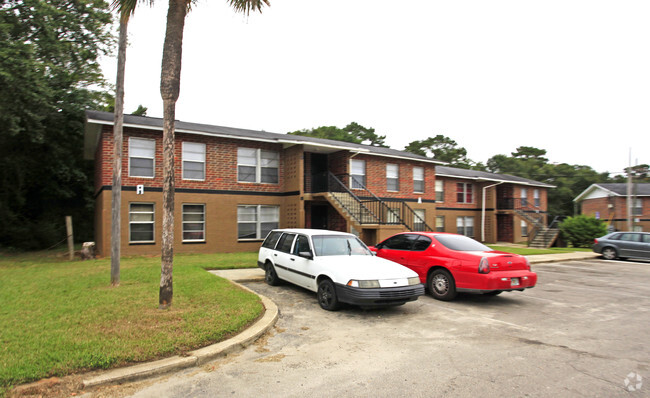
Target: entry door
(318,172)
(319,217)
(505,231)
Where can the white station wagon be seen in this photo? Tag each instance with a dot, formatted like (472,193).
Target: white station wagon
(338,267)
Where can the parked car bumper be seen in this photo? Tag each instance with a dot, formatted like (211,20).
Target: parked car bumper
(504,281)
(379,297)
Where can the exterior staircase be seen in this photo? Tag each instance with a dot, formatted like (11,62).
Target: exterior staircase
(542,237)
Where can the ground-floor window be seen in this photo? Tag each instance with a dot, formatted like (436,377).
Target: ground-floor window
(393,215)
(418,220)
(440,223)
(256,221)
(193,223)
(524,228)
(465,226)
(141,222)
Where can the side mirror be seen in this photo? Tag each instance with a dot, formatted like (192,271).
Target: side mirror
(378,246)
(307,255)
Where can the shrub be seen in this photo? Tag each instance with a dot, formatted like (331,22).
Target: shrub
(580,231)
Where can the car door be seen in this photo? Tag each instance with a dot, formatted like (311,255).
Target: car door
(419,258)
(281,257)
(630,245)
(646,245)
(397,248)
(302,264)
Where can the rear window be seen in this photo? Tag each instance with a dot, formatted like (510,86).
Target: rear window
(461,243)
(272,239)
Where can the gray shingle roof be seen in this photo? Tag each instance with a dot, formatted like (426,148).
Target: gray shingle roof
(207,129)
(445,171)
(639,189)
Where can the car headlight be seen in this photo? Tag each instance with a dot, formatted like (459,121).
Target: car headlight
(363,284)
(414,280)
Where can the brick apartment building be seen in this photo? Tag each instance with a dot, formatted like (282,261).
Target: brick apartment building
(608,202)
(234,185)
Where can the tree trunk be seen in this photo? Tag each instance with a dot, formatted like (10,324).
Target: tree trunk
(170,82)
(117,155)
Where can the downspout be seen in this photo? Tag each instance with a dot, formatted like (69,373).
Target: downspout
(483,209)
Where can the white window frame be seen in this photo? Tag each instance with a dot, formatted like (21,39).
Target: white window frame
(465,186)
(183,212)
(153,157)
(524,197)
(440,218)
(392,173)
(184,154)
(152,222)
(637,208)
(258,166)
(419,219)
(258,221)
(536,198)
(462,222)
(440,188)
(418,170)
(354,182)
(524,228)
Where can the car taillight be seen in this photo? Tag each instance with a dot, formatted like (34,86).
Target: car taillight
(484,266)
(595,241)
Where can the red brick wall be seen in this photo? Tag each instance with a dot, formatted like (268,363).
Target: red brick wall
(450,194)
(221,162)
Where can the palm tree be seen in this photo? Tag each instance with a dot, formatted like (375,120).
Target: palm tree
(170,82)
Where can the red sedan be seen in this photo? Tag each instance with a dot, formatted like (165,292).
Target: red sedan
(451,263)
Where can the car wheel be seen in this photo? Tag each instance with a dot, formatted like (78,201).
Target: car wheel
(609,253)
(270,276)
(327,296)
(441,285)
(494,293)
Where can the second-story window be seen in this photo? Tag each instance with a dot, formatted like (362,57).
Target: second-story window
(536,197)
(392,177)
(440,191)
(464,193)
(257,165)
(142,153)
(524,197)
(357,173)
(637,210)
(418,179)
(193,161)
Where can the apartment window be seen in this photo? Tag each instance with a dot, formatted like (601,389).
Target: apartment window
(524,197)
(257,165)
(393,215)
(418,179)
(464,193)
(193,223)
(142,154)
(193,161)
(419,219)
(392,177)
(440,223)
(637,210)
(357,173)
(141,222)
(465,226)
(440,191)
(536,197)
(255,222)
(524,228)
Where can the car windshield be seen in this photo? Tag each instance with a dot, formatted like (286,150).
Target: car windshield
(339,245)
(461,243)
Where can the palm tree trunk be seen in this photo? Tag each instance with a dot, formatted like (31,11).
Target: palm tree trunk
(170,82)
(117,154)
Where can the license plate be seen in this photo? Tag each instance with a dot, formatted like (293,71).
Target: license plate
(515,281)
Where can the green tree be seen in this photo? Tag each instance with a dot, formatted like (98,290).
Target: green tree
(353,132)
(141,111)
(48,63)
(580,231)
(442,148)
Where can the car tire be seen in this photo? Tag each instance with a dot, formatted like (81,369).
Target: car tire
(270,276)
(493,293)
(609,253)
(327,296)
(442,285)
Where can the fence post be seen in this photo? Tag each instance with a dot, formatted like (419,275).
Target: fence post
(68,228)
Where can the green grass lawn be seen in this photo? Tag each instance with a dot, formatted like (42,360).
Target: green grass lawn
(58,317)
(524,251)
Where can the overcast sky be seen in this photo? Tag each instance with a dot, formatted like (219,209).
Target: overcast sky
(568,76)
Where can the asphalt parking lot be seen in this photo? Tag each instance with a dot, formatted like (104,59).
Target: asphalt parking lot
(583,331)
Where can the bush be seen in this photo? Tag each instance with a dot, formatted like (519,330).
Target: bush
(580,231)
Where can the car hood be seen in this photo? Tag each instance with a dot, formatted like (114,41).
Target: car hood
(366,267)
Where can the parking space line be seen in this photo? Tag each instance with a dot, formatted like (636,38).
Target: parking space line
(636,296)
(485,318)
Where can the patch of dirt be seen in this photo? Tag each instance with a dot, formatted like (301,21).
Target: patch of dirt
(272,358)
(53,387)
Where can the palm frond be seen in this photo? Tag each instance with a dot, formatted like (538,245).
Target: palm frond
(126,8)
(246,6)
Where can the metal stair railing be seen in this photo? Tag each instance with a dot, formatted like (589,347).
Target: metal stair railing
(350,202)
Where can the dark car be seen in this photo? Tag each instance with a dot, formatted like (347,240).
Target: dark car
(623,245)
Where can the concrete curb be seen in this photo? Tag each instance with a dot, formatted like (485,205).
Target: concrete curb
(556,258)
(194,358)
